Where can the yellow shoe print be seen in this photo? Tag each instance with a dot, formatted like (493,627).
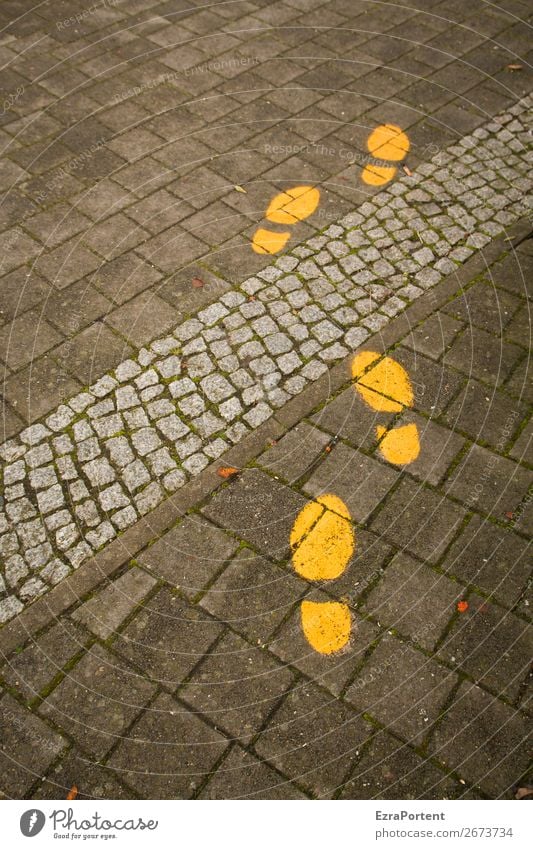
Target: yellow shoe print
(288,208)
(387,142)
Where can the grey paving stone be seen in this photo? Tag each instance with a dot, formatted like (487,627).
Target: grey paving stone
(419,519)
(349,417)
(97,701)
(29,747)
(483,740)
(479,354)
(293,455)
(252,596)
(438,448)
(485,414)
(190,555)
(402,688)
(106,610)
(360,481)
(313,740)
(237,686)
(168,752)
(92,780)
(414,600)
(259,510)
(243,776)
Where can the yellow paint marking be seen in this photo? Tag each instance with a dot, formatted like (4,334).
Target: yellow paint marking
(389,142)
(326,625)
(401,445)
(377,175)
(267,242)
(322,540)
(385,387)
(293,205)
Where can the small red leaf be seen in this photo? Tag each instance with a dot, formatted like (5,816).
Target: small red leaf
(227,472)
(72,793)
(197,282)
(462,606)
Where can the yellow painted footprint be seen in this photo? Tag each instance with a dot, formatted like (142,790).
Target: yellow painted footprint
(387,142)
(288,208)
(386,387)
(323,541)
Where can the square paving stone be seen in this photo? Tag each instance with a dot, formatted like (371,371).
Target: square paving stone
(360,481)
(313,739)
(168,753)
(514,273)
(491,645)
(522,450)
(402,688)
(237,687)
(39,388)
(414,600)
(332,671)
(29,747)
(419,520)
(519,328)
(252,596)
(364,568)
(143,318)
(438,448)
(349,417)
(520,383)
(389,769)
(491,558)
(292,456)
(484,306)
(189,555)
(122,278)
(167,638)
(485,481)
(91,353)
(26,338)
(32,669)
(480,354)
(484,741)
(243,776)
(485,414)
(434,335)
(106,610)
(92,780)
(434,385)
(97,700)
(258,509)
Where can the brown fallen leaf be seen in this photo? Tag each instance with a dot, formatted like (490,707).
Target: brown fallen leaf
(197,282)
(514,67)
(509,514)
(522,792)
(462,606)
(227,472)
(72,793)
(240,189)
(407,170)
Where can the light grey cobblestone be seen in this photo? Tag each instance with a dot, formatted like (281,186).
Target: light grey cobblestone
(115,450)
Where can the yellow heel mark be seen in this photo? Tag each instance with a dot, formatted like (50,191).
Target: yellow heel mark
(401,445)
(388,141)
(385,387)
(293,205)
(267,242)
(322,539)
(326,625)
(377,175)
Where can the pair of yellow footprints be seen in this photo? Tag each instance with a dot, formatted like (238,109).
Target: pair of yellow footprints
(387,142)
(322,538)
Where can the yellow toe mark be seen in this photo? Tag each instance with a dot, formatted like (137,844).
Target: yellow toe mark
(293,205)
(401,445)
(377,175)
(326,625)
(388,141)
(267,242)
(385,387)
(322,539)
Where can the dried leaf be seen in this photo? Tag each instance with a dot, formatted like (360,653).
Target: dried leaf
(240,189)
(522,792)
(197,282)
(227,472)
(509,514)
(251,297)
(407,170)
(462,606)
(72,793)
(514,67)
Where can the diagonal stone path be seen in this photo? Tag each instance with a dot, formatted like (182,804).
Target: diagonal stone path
(113,452)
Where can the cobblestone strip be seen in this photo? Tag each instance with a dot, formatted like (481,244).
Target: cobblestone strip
(113,452)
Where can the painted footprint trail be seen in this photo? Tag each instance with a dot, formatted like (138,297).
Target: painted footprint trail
(389,143)
(288,208)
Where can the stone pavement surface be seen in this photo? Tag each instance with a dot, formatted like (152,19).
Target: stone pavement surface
(152,639)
